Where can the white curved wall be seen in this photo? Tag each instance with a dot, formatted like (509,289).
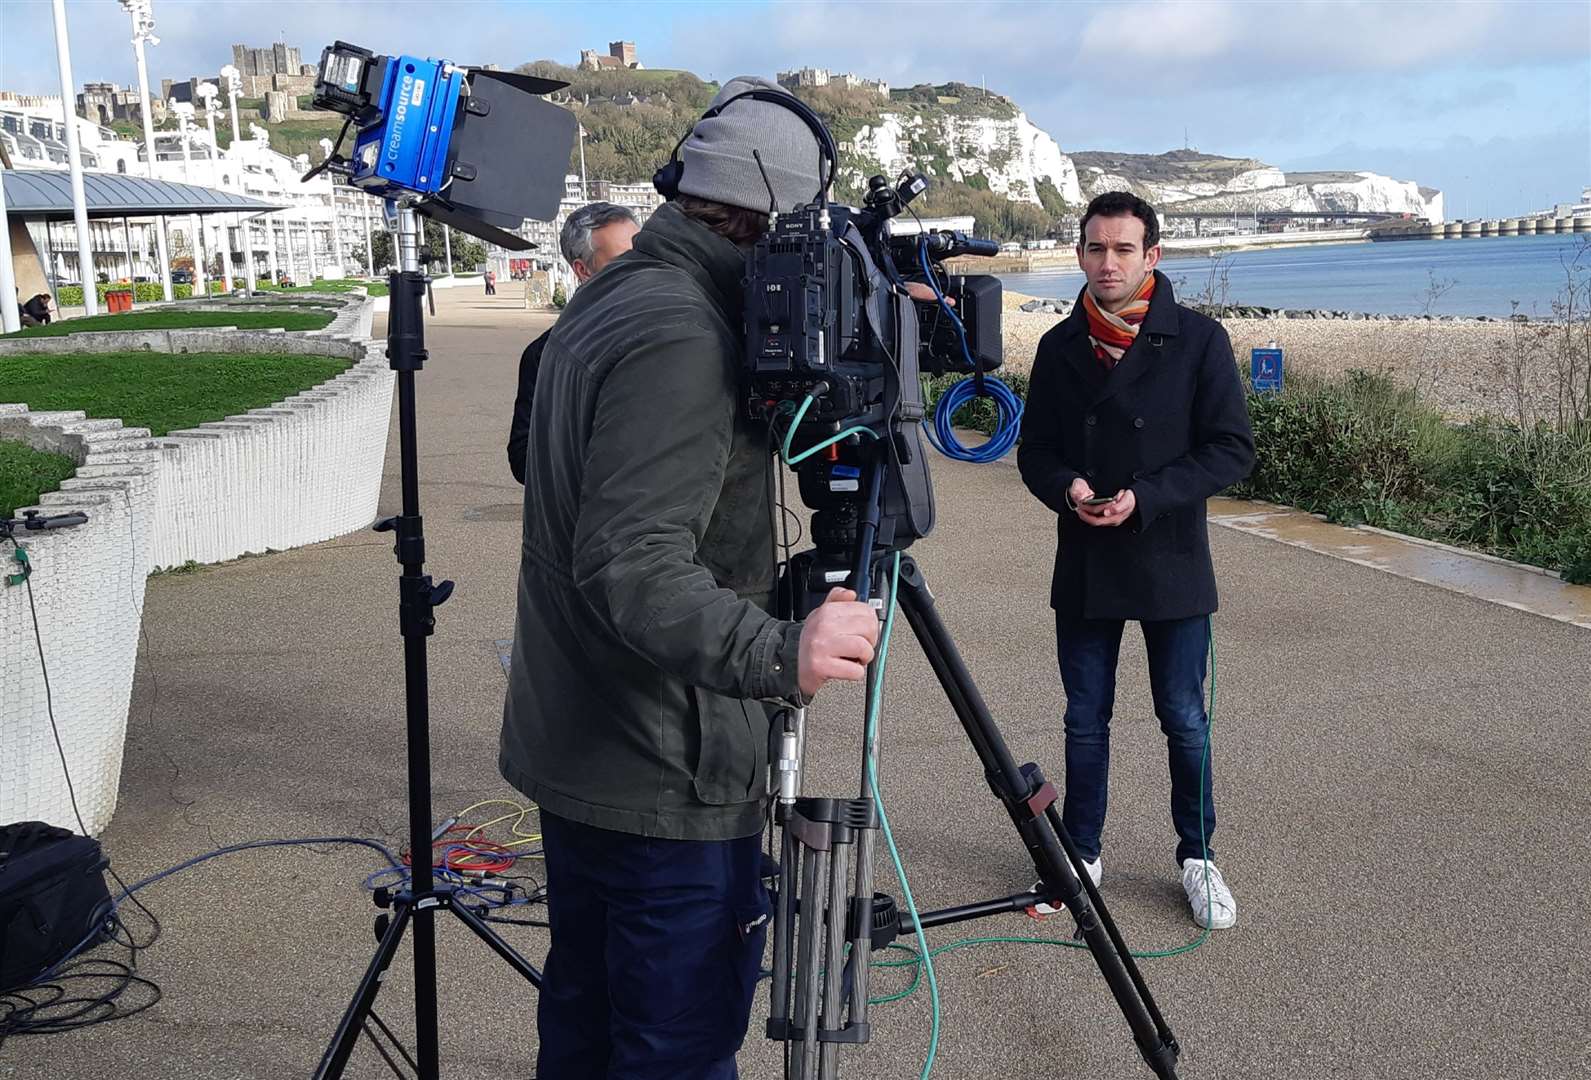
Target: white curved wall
(304,470)
(88,589)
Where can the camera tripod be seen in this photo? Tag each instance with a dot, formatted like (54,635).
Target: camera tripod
(827,919)
(416,905)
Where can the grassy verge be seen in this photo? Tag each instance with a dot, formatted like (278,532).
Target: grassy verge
(26,473)
(1362,450)
(372,288)
(177,319)
(160,391)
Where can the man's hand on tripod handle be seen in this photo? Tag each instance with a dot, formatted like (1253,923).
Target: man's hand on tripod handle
(837,641)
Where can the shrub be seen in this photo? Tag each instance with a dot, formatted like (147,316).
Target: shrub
(144,292)
(559,297)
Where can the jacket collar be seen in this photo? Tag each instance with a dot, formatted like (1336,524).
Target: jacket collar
(1161,321)
(716,264)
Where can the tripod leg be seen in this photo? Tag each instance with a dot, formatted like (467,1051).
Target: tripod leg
(496,943)
(783,939)
(353,1018)
(834,959)
(809,964)
(1029,801)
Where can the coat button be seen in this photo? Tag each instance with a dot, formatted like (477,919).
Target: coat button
(1138,421)
(1092,419)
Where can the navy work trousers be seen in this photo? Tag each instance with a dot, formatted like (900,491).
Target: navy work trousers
(656,949)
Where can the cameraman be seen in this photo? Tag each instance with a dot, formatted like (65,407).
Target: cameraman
(644,650)
(591,237)
(1137,398)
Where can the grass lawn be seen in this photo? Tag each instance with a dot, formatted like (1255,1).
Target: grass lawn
(26,473)
(372,288)
(160,391)
(177,319)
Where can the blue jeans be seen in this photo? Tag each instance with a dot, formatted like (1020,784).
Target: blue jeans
(1177,648)
(656,949)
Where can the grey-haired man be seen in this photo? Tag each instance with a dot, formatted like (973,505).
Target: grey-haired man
(592,237)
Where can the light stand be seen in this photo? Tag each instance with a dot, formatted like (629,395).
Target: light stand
(417,598)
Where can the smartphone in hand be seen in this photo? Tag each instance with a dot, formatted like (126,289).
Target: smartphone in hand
(1099,500)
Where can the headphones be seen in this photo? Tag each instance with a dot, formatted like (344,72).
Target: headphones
(666,180)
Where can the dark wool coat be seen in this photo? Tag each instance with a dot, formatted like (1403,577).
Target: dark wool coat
(1169,421)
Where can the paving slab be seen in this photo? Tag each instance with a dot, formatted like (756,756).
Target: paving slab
(1401,777)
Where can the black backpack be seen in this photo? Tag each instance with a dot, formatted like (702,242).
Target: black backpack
(52,898)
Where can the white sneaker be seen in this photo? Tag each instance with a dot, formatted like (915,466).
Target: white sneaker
(1208,896)
(1096,870)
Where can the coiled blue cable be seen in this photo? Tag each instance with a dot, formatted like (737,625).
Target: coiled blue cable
(1008,407)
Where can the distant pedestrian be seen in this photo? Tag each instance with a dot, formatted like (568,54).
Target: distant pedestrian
(491,283)
(1135,416)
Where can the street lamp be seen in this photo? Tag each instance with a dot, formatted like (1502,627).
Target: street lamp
(208,93)
(144,31)
(234,87)
(336,237)
(183,111)
(85,251)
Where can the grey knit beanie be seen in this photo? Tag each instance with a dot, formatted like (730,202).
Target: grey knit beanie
(717,154)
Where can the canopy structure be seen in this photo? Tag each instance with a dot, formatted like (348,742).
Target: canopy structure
(46,195)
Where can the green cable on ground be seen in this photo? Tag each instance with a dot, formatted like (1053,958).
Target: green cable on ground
(914,959)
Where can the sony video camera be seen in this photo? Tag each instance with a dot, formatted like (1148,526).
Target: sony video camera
(834,356)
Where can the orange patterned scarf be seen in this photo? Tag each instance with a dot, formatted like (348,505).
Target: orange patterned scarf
(1113,332)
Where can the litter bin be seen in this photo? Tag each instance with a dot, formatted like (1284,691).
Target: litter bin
(118,300)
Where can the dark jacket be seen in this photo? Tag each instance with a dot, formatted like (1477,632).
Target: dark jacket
(1169,421)
(519,429)
(643,641)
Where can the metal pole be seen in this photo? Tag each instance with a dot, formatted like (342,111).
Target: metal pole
(370,253)
(201,283)
(336,232)
(127,238)
(143,25)
(585,192)
(270,250)
(85,253)
(309,246)
(210,109)
(10,318)
(447,248)
(246,234)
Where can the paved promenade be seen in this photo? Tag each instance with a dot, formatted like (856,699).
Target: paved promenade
(1401,775)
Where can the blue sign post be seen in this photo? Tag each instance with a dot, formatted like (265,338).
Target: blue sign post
(1265,370)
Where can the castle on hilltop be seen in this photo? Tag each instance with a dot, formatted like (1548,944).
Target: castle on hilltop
(620,57)
(807,76)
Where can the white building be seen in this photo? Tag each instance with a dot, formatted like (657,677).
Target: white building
(297,242)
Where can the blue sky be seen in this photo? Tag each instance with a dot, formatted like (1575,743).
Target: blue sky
(1489,100)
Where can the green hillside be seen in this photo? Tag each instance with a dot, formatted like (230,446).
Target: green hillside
(632,120)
